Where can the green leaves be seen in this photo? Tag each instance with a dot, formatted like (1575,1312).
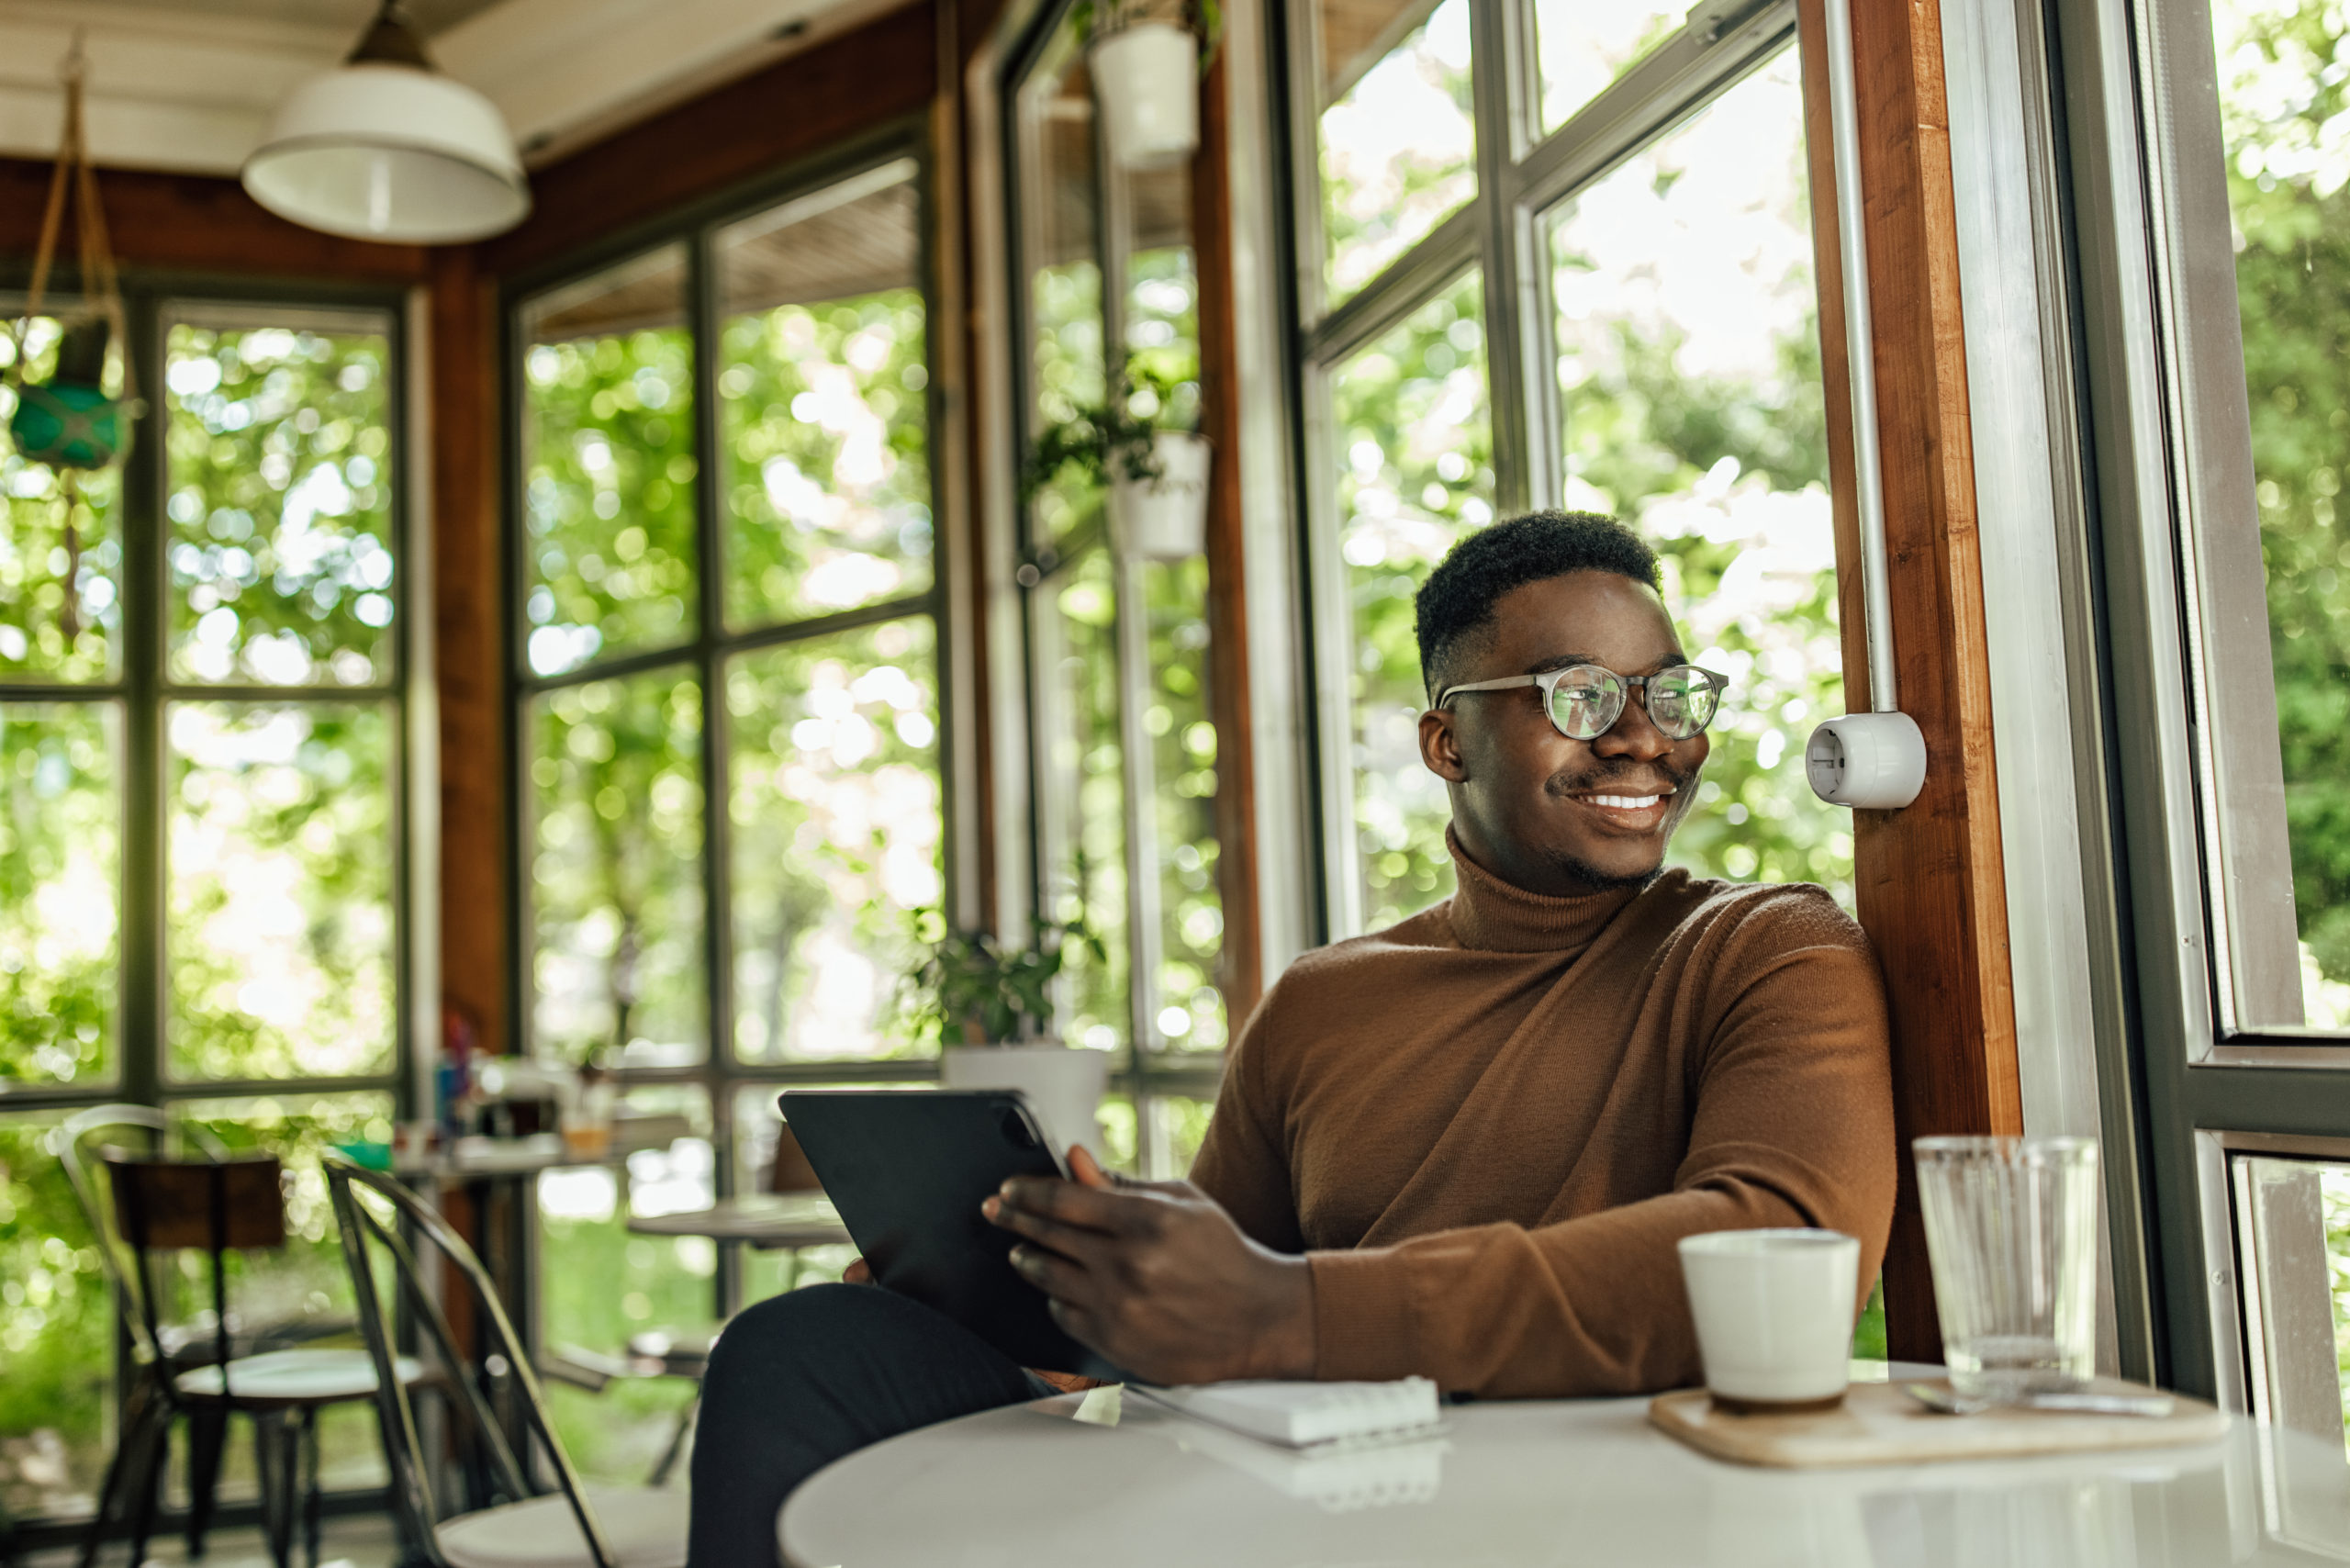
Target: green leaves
(969,989)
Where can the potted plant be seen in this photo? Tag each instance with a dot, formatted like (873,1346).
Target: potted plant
(1157,475)
(990,1007)
(1146,78)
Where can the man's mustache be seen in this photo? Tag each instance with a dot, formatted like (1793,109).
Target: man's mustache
(1609,780)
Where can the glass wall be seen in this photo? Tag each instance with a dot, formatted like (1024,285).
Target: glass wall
(202,838)
(727,690)
(1653,356)
(1123,742)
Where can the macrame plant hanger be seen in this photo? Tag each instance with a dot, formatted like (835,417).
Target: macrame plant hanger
(68,421)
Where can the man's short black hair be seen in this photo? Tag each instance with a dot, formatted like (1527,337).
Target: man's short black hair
(1456,604)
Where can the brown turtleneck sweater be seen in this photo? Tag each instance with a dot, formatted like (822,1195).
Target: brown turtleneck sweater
(1487,1126)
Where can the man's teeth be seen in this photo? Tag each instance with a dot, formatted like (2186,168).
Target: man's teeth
(1624,802)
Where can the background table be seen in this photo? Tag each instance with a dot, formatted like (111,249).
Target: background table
(1549,1482)
(768,1220)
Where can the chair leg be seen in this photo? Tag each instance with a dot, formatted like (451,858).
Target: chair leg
(207,1440)
(139,1411)
(147,1481)
(677,1440)
(312,1498)
(269,1468)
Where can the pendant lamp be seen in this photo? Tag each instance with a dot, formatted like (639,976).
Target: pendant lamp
(387,148)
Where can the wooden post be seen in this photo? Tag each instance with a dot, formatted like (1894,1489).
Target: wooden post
(1928,879)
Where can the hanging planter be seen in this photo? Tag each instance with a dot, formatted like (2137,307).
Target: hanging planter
(70,421)
(1156,478)
(1164,517)
(1147,81)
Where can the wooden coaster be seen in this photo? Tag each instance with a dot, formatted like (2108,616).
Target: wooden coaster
(1879,1423)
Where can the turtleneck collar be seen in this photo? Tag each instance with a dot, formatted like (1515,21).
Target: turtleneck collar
(1501,917)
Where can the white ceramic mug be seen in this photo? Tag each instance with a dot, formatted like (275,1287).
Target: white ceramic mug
(1774,1313)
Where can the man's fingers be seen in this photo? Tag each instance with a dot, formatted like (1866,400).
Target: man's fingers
(1094,1208)
(859,1273)
(1074,1241)
(1052,1273)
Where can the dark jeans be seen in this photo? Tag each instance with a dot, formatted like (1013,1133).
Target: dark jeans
(805,1377)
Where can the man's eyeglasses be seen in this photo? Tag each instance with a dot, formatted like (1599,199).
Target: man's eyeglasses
(1584,700)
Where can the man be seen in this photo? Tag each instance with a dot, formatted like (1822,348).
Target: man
(1462,1148)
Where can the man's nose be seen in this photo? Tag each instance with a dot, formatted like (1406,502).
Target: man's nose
(1633,734)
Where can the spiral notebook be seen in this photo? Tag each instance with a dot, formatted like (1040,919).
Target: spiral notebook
(1310,1415)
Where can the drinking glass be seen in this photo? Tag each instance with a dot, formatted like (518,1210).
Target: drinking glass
(2011,1233)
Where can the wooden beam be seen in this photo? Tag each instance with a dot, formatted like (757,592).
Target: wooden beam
(1928,879)
(1241,970)
(802,105)
(198,223)
(468,625)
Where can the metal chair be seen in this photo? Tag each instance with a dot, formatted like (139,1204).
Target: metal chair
(574,1526)
(216,1204)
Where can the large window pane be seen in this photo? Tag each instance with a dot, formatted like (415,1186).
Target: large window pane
(608,509)
(1083,807)
(604,1287)
(1413,439)
(615,869)
(2282,96)
(57,1333)
(279,513)
(822,406)
(280,937)
(35,557)
(61,888)
(1689,380)
(1581,48)
(1183,768)
(1060,211)
(1398,135)
(836,815)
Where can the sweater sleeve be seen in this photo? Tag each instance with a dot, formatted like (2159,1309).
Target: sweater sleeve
(1791,1126)
(1241,1164)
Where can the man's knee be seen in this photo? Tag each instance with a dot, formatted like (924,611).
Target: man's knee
(778,1334)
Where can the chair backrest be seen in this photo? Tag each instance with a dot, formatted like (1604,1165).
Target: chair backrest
(217,1205)
(81,1153)
(364,1234)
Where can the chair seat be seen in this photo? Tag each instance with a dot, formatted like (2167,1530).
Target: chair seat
(657,1353)
(294,1377)
(645,1526)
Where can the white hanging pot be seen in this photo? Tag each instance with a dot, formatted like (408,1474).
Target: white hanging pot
(1064,1084)
(1164,519)
(1147,84)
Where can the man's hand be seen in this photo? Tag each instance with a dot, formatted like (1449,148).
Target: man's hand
(1158,1278)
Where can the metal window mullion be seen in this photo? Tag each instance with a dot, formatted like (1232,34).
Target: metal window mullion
(1491,62)
(1410,281)
(706,321)
(1310,252)
(1330,651)
(141,1046)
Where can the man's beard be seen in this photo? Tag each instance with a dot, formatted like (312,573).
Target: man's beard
(1593,877)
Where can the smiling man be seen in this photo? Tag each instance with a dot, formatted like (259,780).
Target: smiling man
(1466,1145)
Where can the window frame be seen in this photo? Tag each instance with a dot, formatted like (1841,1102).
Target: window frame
(710,644)
(1523,176)
(141,691)
(1143,1068)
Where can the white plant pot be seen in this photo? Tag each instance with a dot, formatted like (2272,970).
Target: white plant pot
(1064,1085)
(1147,81)
(1164,519)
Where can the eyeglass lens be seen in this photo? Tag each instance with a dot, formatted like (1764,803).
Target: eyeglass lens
(1589,699)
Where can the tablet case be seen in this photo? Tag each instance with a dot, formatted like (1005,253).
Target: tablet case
(908,1170)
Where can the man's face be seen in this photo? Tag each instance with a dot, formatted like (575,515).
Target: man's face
(1546,812)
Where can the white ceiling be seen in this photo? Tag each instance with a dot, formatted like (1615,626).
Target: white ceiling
(189,84)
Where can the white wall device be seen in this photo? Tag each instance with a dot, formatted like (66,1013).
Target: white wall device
(1872,760)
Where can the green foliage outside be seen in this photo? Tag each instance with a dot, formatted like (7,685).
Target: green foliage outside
(2283,67)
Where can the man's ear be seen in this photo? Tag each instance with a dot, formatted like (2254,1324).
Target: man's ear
(1440,747)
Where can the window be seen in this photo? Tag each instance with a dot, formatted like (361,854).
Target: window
(726,693)
(1582,279)
(1123,744)
(204,847)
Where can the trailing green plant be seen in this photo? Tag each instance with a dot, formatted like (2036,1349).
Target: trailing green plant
(969,984)
(1108,441)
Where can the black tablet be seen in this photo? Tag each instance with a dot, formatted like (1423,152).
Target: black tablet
(908,1170)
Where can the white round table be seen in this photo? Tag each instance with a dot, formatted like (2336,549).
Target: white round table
(1551,1482)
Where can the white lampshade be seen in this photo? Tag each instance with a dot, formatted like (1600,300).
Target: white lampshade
(392,151)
